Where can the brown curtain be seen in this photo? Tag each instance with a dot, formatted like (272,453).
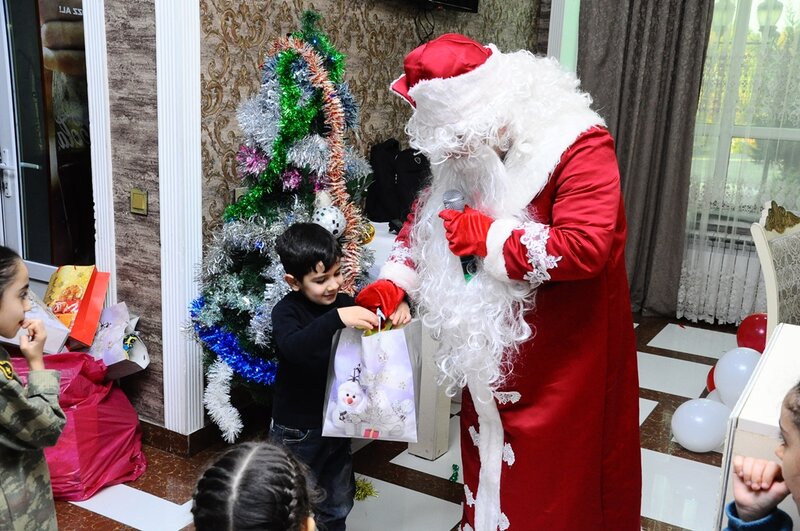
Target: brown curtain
(642,62)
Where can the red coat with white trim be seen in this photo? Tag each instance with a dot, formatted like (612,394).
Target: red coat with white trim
(570,417)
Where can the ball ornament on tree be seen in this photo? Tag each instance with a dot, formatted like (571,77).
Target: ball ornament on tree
(331,218)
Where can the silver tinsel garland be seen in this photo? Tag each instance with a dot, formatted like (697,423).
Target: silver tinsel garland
(217,399)
(259,117)
(310,153)
(223,287)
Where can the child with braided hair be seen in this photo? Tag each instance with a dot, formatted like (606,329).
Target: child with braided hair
(255,487)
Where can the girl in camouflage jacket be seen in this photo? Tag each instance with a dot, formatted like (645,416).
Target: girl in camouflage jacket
(30,417)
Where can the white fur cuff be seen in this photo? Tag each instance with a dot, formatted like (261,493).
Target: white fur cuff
(495,263)
(400,274)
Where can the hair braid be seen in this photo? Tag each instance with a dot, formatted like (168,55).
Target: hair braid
(254,486)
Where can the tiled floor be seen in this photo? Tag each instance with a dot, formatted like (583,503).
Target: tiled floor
(679,487)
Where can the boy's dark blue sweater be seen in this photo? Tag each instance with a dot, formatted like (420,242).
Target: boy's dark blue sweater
(303,332)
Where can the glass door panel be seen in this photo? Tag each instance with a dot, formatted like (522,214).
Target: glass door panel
(48,209)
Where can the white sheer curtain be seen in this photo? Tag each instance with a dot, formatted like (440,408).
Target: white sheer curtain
(746,152)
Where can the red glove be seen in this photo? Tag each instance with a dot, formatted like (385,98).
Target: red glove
(383,294)
(466,231)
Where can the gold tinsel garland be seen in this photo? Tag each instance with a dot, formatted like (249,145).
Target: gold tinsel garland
(335,172)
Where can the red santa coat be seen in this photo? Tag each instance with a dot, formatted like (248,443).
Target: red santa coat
(569,410)
(574,430)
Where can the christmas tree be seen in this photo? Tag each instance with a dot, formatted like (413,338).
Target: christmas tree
(297,167)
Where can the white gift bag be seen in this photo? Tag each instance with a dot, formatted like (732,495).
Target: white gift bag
(373,384)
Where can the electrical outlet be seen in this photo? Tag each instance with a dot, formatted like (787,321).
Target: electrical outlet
(138,201)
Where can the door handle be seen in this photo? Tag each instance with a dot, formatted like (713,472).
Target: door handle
(8,180)
(9,173)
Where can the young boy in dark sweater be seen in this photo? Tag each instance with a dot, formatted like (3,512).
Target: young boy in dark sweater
(303,325)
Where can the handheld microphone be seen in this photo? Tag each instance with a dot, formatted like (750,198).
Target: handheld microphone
(454,200)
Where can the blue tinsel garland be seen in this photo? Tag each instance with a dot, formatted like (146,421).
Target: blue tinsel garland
(225,345)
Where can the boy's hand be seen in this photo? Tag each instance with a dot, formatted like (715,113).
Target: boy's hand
(758,487)
(32,343)
(401,315)
(358,317)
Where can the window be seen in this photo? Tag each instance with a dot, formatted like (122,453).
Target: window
(746,152)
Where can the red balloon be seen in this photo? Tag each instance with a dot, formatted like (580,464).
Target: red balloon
(752,333)
(710,380)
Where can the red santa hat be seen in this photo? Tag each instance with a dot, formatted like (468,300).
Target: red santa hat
(445,57)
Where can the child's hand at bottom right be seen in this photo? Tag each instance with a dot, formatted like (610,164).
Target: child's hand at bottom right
(358,317)
(758,487)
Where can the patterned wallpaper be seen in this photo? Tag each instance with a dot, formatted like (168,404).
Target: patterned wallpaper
(375,36)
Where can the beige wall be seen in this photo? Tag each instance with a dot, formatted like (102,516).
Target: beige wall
(375,35)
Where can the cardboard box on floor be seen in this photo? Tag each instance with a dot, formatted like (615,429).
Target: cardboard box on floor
(117,343)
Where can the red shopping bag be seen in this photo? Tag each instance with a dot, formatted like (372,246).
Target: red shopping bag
(76,294)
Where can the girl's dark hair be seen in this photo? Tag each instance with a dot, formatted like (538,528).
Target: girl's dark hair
(303,246)
(254,486)
(9,262)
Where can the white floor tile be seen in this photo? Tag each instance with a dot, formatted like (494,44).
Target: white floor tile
(400,509)
(668,375)
(138,509)
(441,467)
(645,408)
(692,340)
(678,491)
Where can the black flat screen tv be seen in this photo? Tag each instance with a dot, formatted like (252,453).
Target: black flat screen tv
(460,5)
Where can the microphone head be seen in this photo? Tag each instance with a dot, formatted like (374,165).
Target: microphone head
(453,199)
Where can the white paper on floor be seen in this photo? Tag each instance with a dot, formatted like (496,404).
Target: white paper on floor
(138,509)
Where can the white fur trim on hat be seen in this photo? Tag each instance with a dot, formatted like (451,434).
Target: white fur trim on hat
(400,274)
(435,97)
(495,262)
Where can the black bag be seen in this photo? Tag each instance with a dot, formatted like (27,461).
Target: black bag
(398,177)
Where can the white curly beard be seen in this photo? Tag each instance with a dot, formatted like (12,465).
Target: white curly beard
(479,323)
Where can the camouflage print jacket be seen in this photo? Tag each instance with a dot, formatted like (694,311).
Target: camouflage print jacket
(30,419)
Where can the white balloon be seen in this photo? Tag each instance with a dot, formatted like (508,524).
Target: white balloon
(732,372)
(714,395)
(700,425)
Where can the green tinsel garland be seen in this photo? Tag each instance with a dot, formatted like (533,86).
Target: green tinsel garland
(295,122)
(310,33)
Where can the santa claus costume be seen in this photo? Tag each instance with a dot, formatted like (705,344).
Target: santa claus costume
(541,334)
